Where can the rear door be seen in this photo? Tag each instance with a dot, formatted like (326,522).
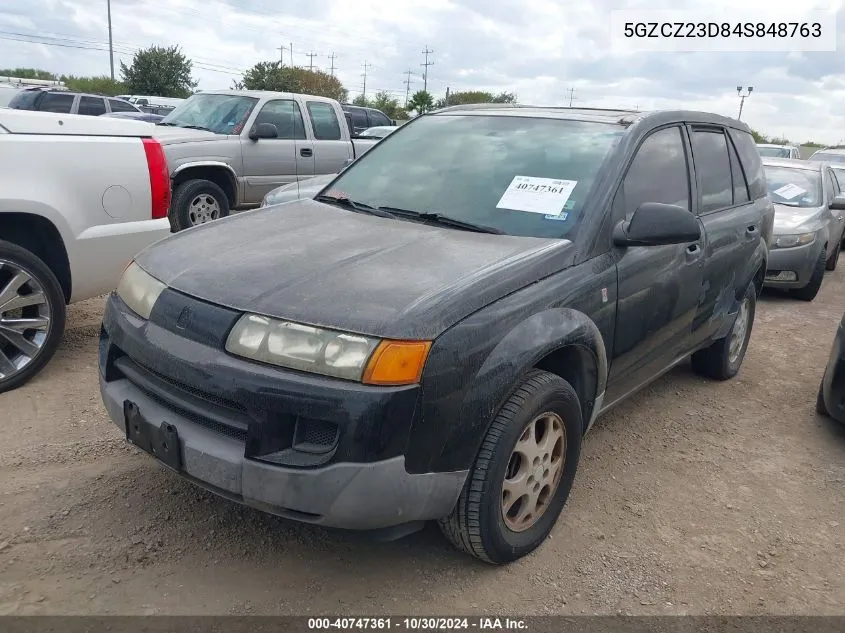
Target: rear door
(658,286)
(732,227)
(831,190)
(270,163)
(331,150)
(91,106)
(60,102)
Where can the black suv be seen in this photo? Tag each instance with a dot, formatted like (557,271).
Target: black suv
(432,335)
(65,102)
(360,118)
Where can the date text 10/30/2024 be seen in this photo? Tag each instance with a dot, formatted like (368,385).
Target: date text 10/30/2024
(417,624)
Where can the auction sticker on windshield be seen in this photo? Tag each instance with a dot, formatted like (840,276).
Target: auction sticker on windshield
(790,191)
(546,196)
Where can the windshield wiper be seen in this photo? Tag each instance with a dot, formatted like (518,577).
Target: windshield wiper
(359,207)
(163,123)
(196,127)
(443,220)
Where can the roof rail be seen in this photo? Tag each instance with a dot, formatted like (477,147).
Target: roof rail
(487,106)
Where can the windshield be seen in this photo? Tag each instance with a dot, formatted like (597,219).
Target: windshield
(519,175)
(828,157)
(774,152)
(221,114)
(794,187)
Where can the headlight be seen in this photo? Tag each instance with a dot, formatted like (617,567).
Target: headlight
(139,290)
(327,352)
(788,241)
(275,196)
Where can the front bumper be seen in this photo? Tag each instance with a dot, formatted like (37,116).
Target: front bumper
(309,448)
(833,381)
(800,260)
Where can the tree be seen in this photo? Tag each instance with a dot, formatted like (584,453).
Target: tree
(759,137)
(362,101)
(421,102)
(27,73)
(159,71)
(387,104)
(274,76)
(475,96)
(102,85)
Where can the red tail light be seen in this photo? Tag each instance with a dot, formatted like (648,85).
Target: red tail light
(159,177)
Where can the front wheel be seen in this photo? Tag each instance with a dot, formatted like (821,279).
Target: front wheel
(809,292)
(32,315)
(523,473)
(834,257)
(197,202)
(723,358)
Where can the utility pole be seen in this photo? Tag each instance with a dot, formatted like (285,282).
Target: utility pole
(281,50)
(742,98)
(571,96)
(291,55)
(364,75)
(407,83)
(448,89)
(332,57)
(111,46)
(425,65)
(311,57)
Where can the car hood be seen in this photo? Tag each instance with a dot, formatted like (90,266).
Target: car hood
(171,135)
(334,268)
(794,219)
(307,189)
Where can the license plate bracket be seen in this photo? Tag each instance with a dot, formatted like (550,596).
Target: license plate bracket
(162,442)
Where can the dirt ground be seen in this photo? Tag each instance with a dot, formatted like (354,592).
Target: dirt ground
(694,497)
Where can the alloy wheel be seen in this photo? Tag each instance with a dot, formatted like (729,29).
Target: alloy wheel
(25,318)
(203,208)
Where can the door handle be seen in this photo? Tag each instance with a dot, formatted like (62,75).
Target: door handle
(306,151)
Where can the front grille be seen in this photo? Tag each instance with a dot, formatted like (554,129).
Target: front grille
(210,397)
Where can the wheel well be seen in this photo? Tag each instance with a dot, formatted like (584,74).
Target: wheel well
(41,238)
(759,277)
(577,366)
(218,175)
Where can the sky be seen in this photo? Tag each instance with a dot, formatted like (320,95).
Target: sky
(545,51)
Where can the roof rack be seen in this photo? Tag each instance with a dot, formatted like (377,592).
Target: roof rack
(494,106)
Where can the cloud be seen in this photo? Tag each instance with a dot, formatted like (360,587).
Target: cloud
(539,49)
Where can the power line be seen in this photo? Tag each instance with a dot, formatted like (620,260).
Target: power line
(425,65)
(364,75)
(332,57)
(311,57)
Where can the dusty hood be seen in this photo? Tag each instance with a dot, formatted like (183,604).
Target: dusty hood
(795,219)
(172,135)
(330,267)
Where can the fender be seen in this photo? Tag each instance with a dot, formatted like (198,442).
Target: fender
(552,331)
(745,277)
(205,163)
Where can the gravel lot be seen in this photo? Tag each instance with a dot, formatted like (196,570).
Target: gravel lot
(694,497)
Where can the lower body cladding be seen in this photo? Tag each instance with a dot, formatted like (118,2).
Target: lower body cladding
(250,445)
(792,268)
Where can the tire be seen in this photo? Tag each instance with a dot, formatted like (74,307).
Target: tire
(477,524)
(718,361)
(15,262)
(821,408)
(183,216)
(809,292)
(834,257)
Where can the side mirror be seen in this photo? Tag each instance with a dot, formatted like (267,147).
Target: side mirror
(838,203)
(393,122)
(264,130)
(657,224)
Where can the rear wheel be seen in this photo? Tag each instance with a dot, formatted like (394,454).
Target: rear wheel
(809,292)
(723,358)
(523,473)
(197,202)
(32,315)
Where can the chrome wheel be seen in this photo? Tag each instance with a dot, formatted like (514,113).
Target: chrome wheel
(203,208)
(534,471)
(25,319)
(738,332)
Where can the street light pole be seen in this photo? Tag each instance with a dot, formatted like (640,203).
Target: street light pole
(111,47)
(742,98)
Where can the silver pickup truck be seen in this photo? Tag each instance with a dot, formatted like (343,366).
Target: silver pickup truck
(227,149)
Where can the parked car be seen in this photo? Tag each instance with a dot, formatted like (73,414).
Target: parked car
(768,150)
(7,94)
(830,401)
(433,334)
(360,118)
(297,190)
(67,233)
(66,102)
(228,149)
(835,157)
(809,224)
(378,132)
(135,116)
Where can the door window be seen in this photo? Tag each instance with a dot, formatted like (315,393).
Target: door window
(118,105)
(658,172)
(92,106)
(740,185)
(324,121)
(359,119)
(377,118)
(830,186)
(56,102)
(286,116)
(713,166)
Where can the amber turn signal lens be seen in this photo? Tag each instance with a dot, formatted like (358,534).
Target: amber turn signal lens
(397,363)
